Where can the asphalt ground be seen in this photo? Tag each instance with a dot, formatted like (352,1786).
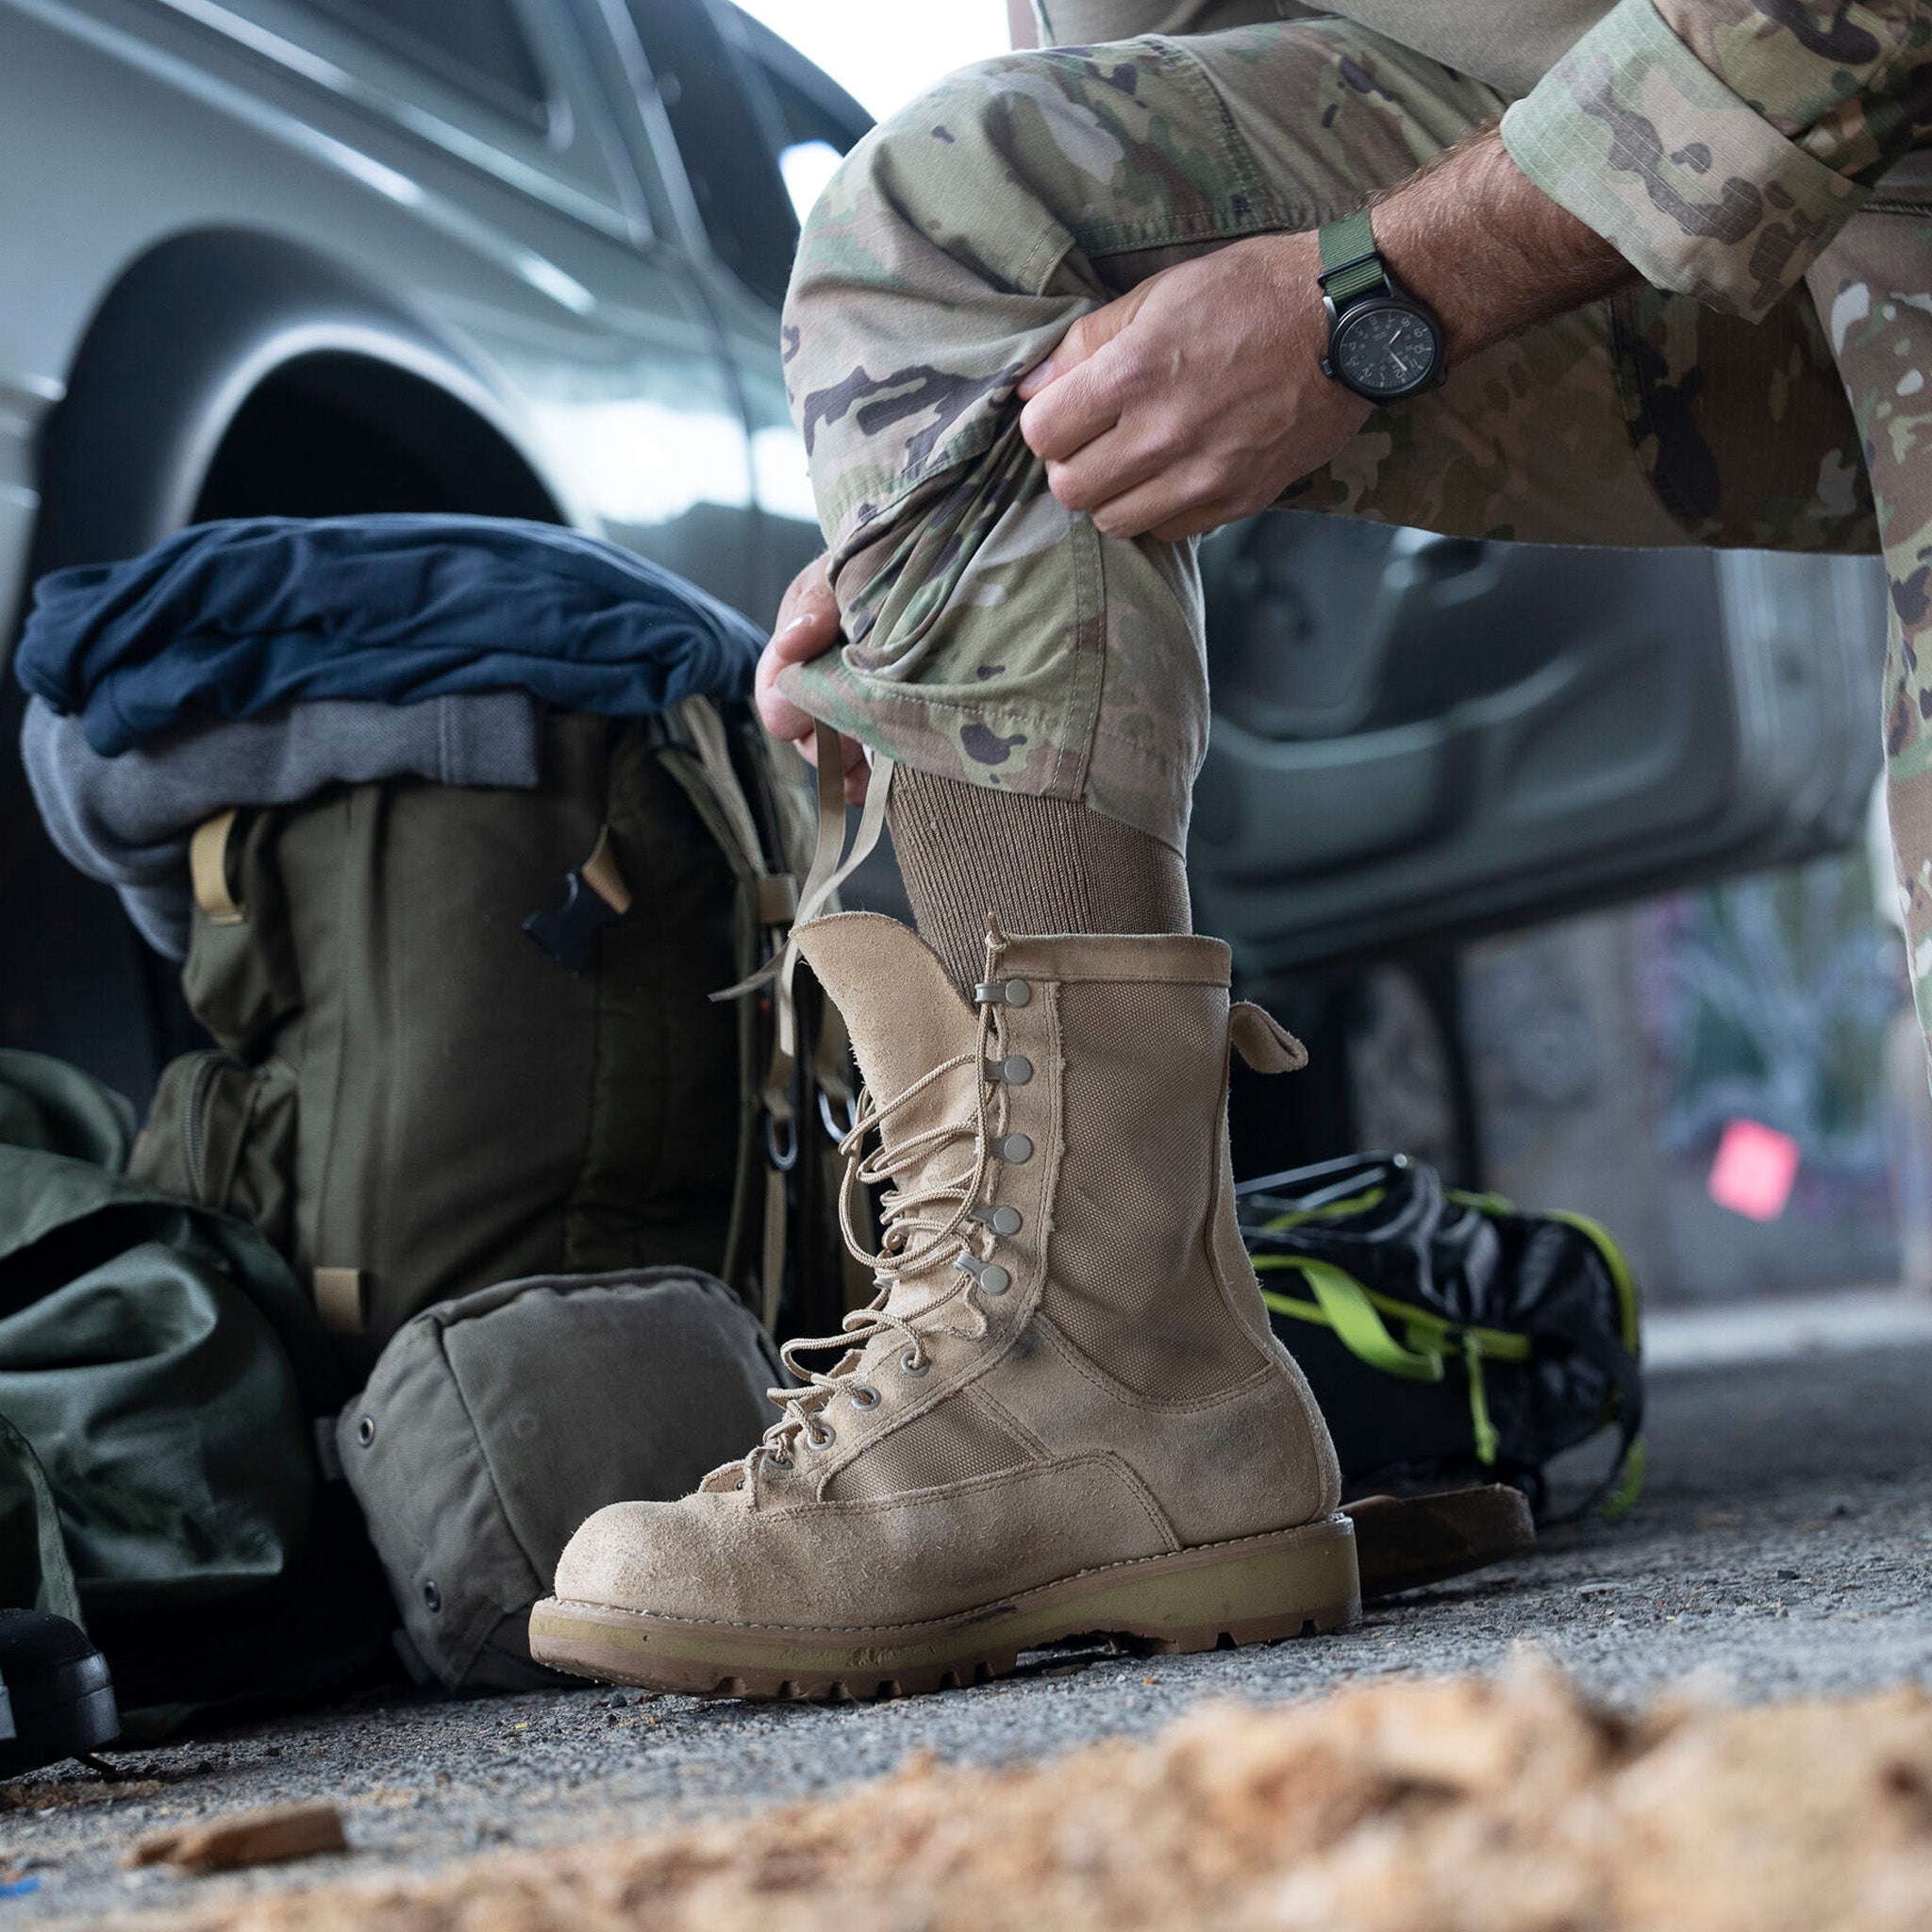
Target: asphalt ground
(1783,1548)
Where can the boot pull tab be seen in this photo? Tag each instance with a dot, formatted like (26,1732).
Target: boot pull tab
(1262,1041)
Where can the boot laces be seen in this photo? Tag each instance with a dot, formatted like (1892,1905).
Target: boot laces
(923,1230)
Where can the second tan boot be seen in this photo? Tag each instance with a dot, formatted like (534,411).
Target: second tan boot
(1064,1414)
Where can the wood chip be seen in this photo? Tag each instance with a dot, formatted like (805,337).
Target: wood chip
(1504,1804)
(246,1837)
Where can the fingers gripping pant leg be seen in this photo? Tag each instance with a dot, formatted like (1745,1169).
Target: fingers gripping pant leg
(998,640)
(993,637)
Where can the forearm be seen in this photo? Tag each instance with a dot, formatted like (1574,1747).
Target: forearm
(1154,421)
(1486,249)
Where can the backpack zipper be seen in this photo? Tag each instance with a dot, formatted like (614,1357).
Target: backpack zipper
(196,1137)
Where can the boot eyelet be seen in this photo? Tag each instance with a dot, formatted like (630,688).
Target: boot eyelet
(819,1435)
(992,1277)
(1017,1148)
(1003,993)
(863,1395)
(1014,1070)
(1002,1220)
(912,1365)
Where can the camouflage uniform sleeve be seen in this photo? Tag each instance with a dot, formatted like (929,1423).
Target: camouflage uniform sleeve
(1091,23)
(1720,144)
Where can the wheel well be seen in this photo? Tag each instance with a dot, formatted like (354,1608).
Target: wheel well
(328,433)
(227,372)
(336,434)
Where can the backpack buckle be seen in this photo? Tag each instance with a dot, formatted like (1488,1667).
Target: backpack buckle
(595,896)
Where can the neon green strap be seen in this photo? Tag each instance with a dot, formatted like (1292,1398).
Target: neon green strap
(1352,1315)
(1630,1486)
(1620,1277)
(1482,1427)
(1350,266)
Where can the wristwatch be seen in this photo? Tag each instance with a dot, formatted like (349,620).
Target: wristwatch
(1382,342)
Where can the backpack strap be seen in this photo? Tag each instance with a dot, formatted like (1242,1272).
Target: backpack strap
(207,869)
(779,1103)
(698,756)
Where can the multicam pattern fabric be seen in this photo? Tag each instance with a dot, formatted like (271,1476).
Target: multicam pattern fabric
(992,635)
(1873,288)
(996,639)
(1722,156)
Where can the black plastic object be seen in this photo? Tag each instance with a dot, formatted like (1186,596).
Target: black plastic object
(58,1693)
(568,934)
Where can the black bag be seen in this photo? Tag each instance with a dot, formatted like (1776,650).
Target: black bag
(1446,1336)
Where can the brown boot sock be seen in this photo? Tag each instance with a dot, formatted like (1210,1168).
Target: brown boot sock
(1041,865)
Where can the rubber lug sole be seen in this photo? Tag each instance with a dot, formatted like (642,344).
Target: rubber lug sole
(1259,1589)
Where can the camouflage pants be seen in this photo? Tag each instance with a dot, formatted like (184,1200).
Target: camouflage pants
(997,639)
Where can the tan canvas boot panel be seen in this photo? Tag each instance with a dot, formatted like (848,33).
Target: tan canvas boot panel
(1063,1412)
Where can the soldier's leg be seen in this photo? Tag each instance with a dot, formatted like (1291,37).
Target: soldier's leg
(1000,643)
(1873,289)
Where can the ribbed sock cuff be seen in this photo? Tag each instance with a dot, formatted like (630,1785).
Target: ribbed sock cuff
(1039,865)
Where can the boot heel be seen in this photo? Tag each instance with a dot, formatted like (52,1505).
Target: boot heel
(1257,1590)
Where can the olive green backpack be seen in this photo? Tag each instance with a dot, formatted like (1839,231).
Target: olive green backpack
(465,1034)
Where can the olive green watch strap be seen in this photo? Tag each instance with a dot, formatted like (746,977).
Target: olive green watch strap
(1350,266)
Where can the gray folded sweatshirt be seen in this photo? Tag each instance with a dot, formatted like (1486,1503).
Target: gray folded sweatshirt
(128,820)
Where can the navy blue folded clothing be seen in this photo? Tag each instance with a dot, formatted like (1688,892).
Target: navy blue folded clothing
(235,618)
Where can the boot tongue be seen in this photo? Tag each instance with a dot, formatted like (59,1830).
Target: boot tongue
(904,1018)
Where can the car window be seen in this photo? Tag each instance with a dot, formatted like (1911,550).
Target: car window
(819,122)
(757,128)
(727,139)
(478,46)
(502,85)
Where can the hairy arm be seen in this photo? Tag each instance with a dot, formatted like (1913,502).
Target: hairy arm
(1157,425)
(1486,249)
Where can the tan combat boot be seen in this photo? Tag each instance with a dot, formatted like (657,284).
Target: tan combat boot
(1064,1414)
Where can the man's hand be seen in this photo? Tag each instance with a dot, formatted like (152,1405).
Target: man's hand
(1198,397)
(1195,399)
(808,627)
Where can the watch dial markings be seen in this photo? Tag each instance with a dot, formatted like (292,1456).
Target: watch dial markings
(1386,349)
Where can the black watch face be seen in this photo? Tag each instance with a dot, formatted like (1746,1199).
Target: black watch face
(1385,349)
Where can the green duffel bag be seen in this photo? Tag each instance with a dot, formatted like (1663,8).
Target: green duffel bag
(161,1380)
(466,1034)
(494,1424)
(1447,1337)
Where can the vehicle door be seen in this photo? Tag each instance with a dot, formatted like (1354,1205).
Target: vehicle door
(1417,738)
